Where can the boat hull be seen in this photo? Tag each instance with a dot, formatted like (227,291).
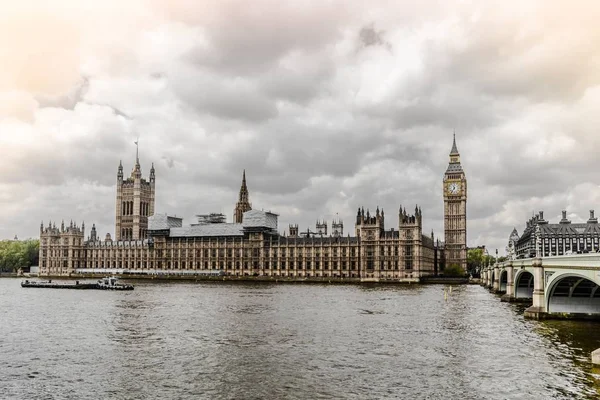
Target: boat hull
(77,286)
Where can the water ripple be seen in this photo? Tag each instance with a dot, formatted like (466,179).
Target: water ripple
(234,341)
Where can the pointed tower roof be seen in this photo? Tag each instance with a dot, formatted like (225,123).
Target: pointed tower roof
(514,235)
(243,203)
(454,165)
(244,189)
(454,150)
(136,173)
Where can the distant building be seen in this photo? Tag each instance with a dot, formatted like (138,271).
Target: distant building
(560,238)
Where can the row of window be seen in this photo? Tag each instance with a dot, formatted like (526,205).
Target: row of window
(244,265)
(127,208)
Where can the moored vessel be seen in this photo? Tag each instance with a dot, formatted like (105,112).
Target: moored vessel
(107,283)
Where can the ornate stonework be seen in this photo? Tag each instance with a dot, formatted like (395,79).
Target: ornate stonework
(243,203)
(248,246)
(134,203)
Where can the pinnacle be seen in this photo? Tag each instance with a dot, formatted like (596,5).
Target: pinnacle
(454,148)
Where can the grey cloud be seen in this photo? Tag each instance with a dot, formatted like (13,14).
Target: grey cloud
(369,36)
(295,86)
(226,98)
(314,102)
(248,43)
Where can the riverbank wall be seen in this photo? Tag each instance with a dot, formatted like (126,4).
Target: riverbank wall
(269,279)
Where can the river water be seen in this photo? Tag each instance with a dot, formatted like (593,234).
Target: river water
(268,341)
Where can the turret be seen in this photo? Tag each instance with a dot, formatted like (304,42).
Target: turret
(406,219)
(321,228)
(120,172)
(243,203)
(152,175)
(93,236)
(337,228)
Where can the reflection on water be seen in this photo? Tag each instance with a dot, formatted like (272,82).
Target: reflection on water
(232,341)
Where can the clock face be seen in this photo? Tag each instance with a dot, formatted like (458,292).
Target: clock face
(453,188)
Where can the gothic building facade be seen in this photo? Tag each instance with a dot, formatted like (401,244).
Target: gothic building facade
(251,245)
(134,203)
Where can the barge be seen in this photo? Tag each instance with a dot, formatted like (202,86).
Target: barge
(108,283)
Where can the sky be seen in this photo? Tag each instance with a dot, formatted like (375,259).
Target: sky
(327,105)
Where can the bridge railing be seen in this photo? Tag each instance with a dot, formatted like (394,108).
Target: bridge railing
(569,260)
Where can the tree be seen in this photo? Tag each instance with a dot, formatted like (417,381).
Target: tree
(16,254)
(454,270)
(475,260)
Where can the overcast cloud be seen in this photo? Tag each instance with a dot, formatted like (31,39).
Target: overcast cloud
(328,105)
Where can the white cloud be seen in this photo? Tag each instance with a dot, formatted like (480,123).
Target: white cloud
(328,106)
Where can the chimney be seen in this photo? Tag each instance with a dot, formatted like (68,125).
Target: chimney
(541,215)
(564,214)
(593,219)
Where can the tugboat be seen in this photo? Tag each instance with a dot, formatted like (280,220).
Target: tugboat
(107,283)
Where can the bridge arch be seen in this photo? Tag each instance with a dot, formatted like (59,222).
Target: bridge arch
(523,284)
(573,293)
(503,281)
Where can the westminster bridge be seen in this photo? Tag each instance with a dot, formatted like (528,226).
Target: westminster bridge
(557,287)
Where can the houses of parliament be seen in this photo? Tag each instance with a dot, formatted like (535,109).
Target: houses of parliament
(148,243)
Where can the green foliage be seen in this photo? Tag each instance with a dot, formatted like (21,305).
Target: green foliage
(476,259)
(15,254)
(454,270)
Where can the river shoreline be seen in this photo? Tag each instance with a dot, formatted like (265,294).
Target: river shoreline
(266,279)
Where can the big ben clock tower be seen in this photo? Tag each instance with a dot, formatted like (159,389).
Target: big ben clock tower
(455,211)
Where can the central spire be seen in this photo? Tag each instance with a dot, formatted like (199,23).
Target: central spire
(244,189)
(243,203)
